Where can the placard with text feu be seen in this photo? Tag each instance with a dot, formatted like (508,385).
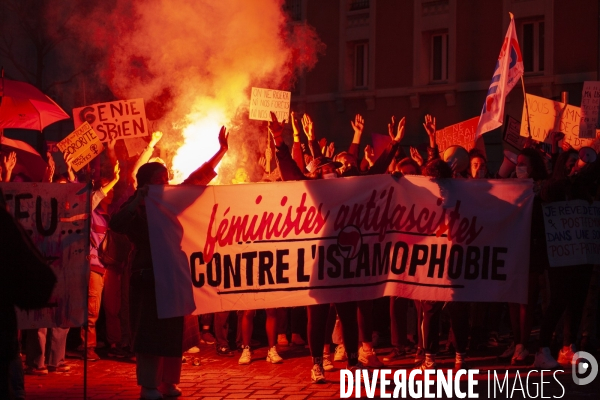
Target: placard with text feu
(57,219)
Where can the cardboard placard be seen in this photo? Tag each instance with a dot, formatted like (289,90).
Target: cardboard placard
(135,146)
(512,133)
(83,144)
(461,134)
(572,232)
(58,222)
(122,119)
(263,101)
(546,116)
(590,110)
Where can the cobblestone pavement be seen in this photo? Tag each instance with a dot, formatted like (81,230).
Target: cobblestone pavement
(222,378)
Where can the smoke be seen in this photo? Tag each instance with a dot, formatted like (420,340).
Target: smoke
(194,62)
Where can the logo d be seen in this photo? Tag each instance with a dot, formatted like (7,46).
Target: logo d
(584,364)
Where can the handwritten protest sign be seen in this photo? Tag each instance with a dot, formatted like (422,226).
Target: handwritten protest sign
(56,217)
(461,134)
(83,144)
(512,133)
(512,136)
(122,119)
(572,232)
(263,101)
(590,110)
(242,247)
(546,116)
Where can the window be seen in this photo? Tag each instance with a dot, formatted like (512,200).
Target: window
(361,62)
(532,45)
(358,4)
(439,57)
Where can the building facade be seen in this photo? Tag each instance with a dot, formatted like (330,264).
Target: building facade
(416,57)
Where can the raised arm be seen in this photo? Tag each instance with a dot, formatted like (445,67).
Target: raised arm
(309,131)
(145,156)
(297,153)
(9,164)
(49,174)
(432,149)
(206,172)
(381,165)
(287,167)
(70,172)
(358,125)
(108,187)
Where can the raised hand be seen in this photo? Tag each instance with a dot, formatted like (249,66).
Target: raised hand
(566,146)
(416,156)
(295,125)
(223,138)
(10,161)
(275,129)
(50,169)
(308,127)
(391,127)
(358,124)
(400,131)
(156,136)
(262,161)
(429,126)
(330,150)
(116,171)
(68,160)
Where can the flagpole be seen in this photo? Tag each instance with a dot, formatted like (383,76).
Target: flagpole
(526,105)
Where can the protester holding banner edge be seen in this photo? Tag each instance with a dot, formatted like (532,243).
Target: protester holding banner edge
(158,343)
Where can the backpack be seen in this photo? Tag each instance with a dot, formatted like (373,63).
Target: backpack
(114,250)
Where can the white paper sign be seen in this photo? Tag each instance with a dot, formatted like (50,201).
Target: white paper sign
(572,232)
(590,108)
(263,101)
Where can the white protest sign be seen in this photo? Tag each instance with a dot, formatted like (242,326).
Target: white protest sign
(546,116)
(56,217)
(83,144)
(122,119)
(263,101)
(590,109)
(283,244)
(572,232)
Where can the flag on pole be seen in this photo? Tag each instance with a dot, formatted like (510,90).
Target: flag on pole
(509,69)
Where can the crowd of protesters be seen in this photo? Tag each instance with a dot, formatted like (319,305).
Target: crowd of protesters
(122,279)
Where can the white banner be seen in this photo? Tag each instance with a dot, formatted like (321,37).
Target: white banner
(56,217)
(572,232)
(299,243)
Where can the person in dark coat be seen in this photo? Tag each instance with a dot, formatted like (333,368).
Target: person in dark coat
(158,343)
(26,281)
